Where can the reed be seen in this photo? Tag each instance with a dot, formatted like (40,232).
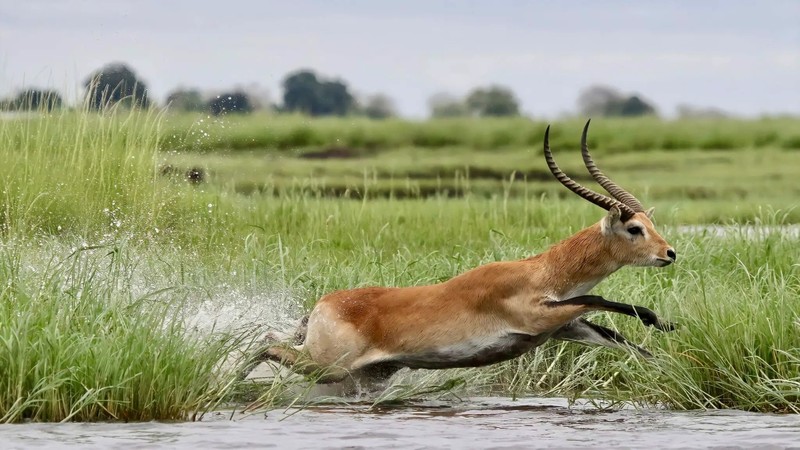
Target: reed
(129,295)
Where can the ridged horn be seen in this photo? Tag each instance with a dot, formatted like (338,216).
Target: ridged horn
(587,194)
(612,188)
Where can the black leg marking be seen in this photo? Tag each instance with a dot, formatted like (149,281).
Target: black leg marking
(598,303)
(584,332)
(615,337)
(378,371)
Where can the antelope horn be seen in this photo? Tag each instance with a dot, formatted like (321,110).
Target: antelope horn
(612,188)
(598,199)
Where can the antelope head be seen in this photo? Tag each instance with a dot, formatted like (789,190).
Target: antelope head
(627,228)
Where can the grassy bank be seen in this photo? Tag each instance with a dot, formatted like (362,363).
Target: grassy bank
(359,136)
(749,168)
(702,186)
(123,291)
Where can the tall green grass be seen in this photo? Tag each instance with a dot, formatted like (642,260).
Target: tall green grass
(703,186)
(78,342)
(82,206)
(735,298)
(104,264)
(368,137)
(736,301)
(706,182)
(78,171)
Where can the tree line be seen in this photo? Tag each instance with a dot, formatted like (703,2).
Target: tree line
(306,92)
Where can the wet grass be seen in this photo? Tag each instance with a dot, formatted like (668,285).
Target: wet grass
(81,341)
(107,268)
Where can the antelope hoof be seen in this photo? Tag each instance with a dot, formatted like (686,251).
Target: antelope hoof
(269,339)
(643,352)
(666,326)
(648,317)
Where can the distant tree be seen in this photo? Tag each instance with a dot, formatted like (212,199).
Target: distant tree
(301,92)
(233,102)
(186,100)
(35,99)
(335,99)
(635,106)
(379,106)
(304,92)
(446,105)
(115,83)
(607,101)
(597,100)
(492,101)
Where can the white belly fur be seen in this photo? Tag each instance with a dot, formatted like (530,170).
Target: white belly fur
(477,351)
(579,289)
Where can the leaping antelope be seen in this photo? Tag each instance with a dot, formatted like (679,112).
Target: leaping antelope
(492,313)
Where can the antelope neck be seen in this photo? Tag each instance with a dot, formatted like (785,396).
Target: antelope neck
(580,262)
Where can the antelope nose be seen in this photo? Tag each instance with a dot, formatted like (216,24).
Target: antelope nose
(671,255)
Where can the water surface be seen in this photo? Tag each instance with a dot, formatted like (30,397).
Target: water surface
(476,423)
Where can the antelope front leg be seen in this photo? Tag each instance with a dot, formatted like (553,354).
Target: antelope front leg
(587,303)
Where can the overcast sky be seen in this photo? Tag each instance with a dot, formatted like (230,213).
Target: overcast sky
(741,56)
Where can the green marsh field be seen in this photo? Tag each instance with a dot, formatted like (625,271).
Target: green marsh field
(128,292)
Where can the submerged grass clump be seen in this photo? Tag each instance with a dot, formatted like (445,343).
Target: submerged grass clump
(82,211)
(105,265)
(79,342)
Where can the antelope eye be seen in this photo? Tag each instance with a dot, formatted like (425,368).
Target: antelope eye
(635,230)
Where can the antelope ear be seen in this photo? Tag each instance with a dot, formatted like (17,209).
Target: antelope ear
(649,212)
(611,218)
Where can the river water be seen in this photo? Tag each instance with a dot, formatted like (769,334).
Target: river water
(474,423)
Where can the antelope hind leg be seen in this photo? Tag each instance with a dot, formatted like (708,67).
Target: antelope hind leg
(271,349)
(588,333)
(258,356)
(298,361)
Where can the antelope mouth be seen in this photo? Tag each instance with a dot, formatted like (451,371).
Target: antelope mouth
(663,262)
